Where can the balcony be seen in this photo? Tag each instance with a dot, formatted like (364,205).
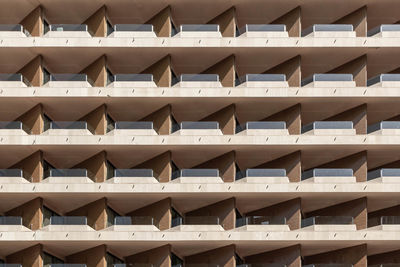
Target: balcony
(67,176)
(66,224)
(328,176)
(13,128)
(196,176)
(262,128)
(67,31)
(133,80)
(14,80)
(133,176)
(12,176)
(263,31)
(13,31)
(66,265)
(133,223)
(384,80)
(262,176)
(196,128)
(328,223)
(329,128)
(66,80)
(197,81)
(262,223)
(384,175)
(329,265)
(261,265)
(329,30)
(329,80)
(199,31)
(196,223)
(130,128)
(262,81)
(12,224)
(68,128)
(385,223)
(385,30)
(133,31)
(384,128)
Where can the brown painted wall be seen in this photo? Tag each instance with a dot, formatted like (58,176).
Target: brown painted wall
(161,166)
(356,208)
(97,24)
(224,210)
(161,119)
(292,20)
(33,22)
(291,68)
(226,22)
(387,257)
(290,209)
(160,257)
(161,71)
(160,211)
(291,163)
(29,257)
(223,256)
(93,257)
(226,119)
(96,166)
(292,117)
(356,255)
(357,67)
(357,162)
(33,72)
(32,167)
(289,256)
(31,213)
(358,19)
(225,69)
(162,22)
(95,213)
(357,115)
(96,71)
(97,120)
(33,119)
(225,164)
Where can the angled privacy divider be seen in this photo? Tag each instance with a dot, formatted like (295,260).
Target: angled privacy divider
(160,211)
(290,210)
(162,22)
(97,71)
(95,212)
(161,71)
(33,119)
(226,22)
(224,210)
(31,256)
(33,22)
(290,115)
(287,256)
(32,167)
(96,165)
(290,162)
(225,70)
(358,19)
(357,209)
(222,256)
(97,120)
(95,256)
(358,115)
(160,256)
(357,67)
(97,23)
(291,68)
(390,215)
(292,20)
(33,71)
(224,163)
(355,256)
(161,166)
(31,213)
(162,120)
(225,118)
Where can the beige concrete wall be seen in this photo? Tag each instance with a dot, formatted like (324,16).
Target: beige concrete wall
(161,119)
(292,117)
(356,208)
(160,257)
(97,24)
(96,165)
(292,20)
(291,68)
(33,22)
(356,255)
(290,162)
(33,119)
(382,258)
(93,257)
(29,257)
(161,71)
(224,163)
(33,72)
(225,118)
(357,67)
(223,256)
(95,213)
(160,211)
(161,166)
(96,71)
(225,69)
(358,19)
(31,213)
(290,209)
(289,256)
(32,167)
(97,119)
(226,22)
(224,210)
(162,22)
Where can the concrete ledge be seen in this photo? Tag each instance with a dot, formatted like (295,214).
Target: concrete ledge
(264,180)
(197,228)
(331,84)
(330,180)
(67,84)
(198,132)
(126,132)
(198,84)
(13,180)
(14,228)
(65,132)
(67,180)
(331,132)
(13,132)
(198,34)
(132,180)
(67,34)
(133,34)
(386,180)
(330,228)
(67,228)
(279,132)
(322,34)
(386,84)
(11,34)
(198,180)
(132,84)
(263,228)
(387,34)
(264,35)
(385,227)
(386,132)
(12,83)
(132,228)
(264,84)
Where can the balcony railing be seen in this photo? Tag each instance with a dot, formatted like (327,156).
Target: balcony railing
(260,173)
(384,28)
(133,173)
(135,220)
(385,265)
(329,265)
(11,173)
(384,172)
(133,125)
(196,125)
(133,28)
(67,265)
(10,220)
(68,220)
(260,220)
(14,28)
(383,220)
(383,125)
(327,173)
(10,265)
(69,125)
(14,77)
(199,28)
(327,125)
(195,173)
(13,125)
(195,78)
(387,77)
(261,265)
(327,220)
(68,28)
(195,220)
(261,125)
(139,77)
(328,28)
(263,77)
(134,265)
(327,77)
(66,173)
(69,77)
(263,28)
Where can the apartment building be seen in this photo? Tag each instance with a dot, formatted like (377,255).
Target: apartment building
(182,133)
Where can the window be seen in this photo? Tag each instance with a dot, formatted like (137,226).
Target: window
(110,170)
(46,26)
(46,122)
(111,260)
(110,123)
(111,214)
(49,259)
(110,76)
(47,214)
(110,28)
(176,261)
(46,76)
